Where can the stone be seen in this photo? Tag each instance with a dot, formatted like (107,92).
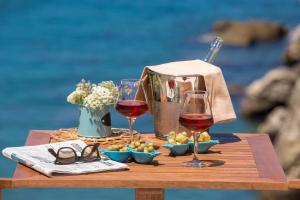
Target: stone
(280,195)
(245,33)
(288,148)
(274,122)
(271,90)
(287,144)
(236,89)
(277,95)
(292,53)
(296,68)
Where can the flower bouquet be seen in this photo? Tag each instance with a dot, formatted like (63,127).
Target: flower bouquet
(94,101)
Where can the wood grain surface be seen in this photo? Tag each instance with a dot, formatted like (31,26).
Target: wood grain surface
(242,161)
(149,194)
(294,183)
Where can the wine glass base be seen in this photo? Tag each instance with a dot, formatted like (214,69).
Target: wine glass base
(195,163)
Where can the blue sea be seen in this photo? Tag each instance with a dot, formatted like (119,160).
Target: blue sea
(46,47)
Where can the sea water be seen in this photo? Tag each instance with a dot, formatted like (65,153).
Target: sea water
(46,47)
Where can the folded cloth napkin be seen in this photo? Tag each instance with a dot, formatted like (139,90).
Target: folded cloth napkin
(212,81)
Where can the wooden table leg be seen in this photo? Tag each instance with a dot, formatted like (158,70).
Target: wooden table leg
(149,194)
(0,194)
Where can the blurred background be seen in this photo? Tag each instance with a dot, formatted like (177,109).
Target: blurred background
(46,47)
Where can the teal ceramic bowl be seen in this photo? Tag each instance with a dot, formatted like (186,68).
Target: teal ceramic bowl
(203,147)
(118,156)
(144,158)
(177,149)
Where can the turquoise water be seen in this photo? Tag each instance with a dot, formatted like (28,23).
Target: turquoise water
(48,46)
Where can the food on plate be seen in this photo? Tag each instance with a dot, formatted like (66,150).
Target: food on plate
(142,146)
(117,147)
(203,137)
(180,138)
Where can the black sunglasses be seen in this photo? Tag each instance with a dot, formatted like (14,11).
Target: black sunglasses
(67,155)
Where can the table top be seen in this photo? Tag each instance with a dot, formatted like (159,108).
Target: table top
(246,161)
(294,183)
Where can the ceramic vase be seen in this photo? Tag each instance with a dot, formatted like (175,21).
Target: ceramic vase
(94,123)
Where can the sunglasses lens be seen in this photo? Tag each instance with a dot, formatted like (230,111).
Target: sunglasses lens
(90,153)
(66,156)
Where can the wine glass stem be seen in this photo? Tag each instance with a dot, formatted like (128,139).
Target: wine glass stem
(131,122)
(195,135)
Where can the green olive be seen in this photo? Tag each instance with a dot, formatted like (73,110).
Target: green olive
(110,148)
(137,143)
(149,144)
(150,149)
(124,149)
(171,141)
(140,149)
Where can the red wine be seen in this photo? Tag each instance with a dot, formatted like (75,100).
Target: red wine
(171,84)
(131,108)
(196,122)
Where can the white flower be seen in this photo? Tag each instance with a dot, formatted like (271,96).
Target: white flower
(94,96)
(99,97)
(73,97)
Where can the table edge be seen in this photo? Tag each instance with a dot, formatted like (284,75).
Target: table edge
(294,183)
(272,169)
(269,184)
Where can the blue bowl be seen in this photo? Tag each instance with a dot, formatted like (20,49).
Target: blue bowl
(144,158)
(119,156)
(203,147)
(176,149)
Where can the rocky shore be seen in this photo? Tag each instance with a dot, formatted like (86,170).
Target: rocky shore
(275,98)
(245,33)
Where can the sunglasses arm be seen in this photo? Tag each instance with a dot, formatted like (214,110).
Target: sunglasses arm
(52,152)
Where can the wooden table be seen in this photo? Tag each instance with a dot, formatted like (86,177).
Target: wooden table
(244,161)
(294,183)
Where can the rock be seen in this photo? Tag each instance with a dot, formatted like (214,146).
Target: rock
(288,148)
(292,53)
(287,144)
(278,95)
(296,68)
(236,89)
(252,107)
(248,32)
(270,91)
(277,195)
(273,124)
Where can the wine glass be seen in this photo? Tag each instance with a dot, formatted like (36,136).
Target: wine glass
(127,103)
(196,116)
